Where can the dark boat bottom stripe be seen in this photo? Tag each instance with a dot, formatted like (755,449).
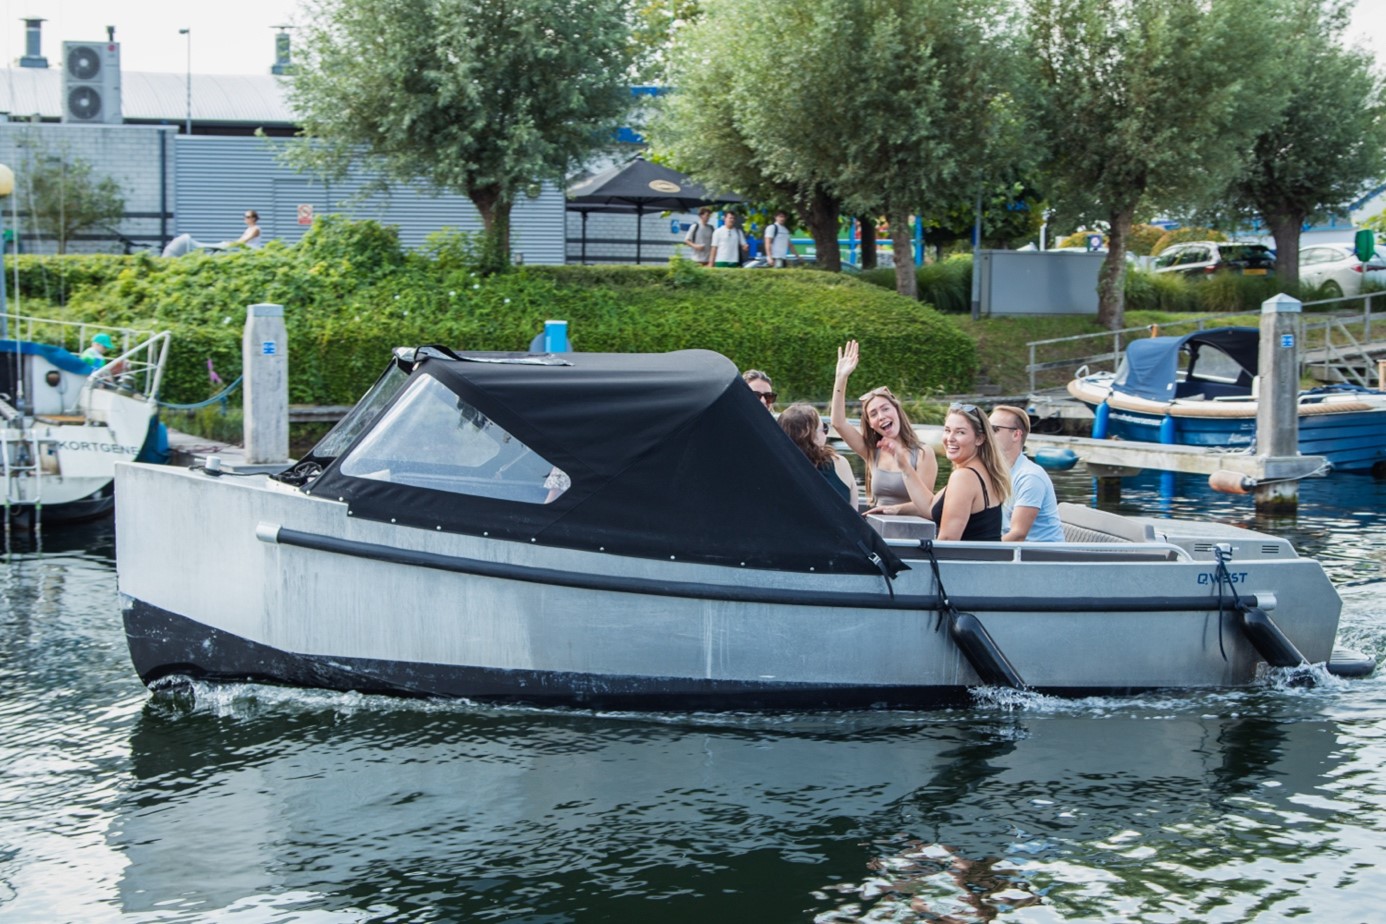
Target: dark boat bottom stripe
(165,644)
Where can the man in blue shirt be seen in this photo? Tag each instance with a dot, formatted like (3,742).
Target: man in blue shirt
(1031,513)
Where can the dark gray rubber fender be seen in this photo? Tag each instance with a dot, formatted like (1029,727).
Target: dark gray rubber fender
(983,653)
(1270,643)
(1345,662)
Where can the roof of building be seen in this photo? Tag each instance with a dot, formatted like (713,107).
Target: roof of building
(228,99)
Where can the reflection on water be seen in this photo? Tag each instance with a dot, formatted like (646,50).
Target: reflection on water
(247,803)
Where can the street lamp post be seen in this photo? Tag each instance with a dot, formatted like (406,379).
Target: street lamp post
(187,125)
(6,187)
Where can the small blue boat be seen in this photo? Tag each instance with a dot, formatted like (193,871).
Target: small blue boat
(1197,390)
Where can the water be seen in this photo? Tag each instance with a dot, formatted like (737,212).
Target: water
(249,804)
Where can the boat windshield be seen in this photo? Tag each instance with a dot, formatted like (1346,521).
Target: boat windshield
(359,417)
(433,439)
(1209,364)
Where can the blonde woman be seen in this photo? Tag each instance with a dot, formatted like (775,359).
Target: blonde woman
(969,506)
(808,431)
(882,417)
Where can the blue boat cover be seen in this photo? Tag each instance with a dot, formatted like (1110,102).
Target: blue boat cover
(56,355)
(1151,366)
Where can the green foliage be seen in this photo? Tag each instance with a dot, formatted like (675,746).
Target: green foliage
(945,285)
(684,272)
(451,249)
(1143,238)
(478,97)
(1328,140)
(63,194)
(1148,100)
(365,246)
(1180,235)
(348,302)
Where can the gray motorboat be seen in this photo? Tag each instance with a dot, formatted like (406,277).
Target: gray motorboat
(634,531)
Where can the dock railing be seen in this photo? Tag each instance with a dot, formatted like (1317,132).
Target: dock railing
(1335,345)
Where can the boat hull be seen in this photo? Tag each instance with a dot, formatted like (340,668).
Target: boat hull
(267,584)
(1352,439)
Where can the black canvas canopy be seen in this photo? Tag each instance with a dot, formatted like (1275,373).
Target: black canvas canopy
(669,455)
(636,187)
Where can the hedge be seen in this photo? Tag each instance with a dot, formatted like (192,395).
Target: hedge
(351,294)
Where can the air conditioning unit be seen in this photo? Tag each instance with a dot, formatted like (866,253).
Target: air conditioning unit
(91,83)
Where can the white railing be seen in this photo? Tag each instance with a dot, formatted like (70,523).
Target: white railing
(139,369)
(1353,327)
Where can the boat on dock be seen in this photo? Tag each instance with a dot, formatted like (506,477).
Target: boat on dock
(635,531)
(1199,389)
(66,424)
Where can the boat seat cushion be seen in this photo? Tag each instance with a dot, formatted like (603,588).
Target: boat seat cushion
(1085,524)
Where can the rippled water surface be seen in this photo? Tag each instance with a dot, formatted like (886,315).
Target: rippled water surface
(243,803)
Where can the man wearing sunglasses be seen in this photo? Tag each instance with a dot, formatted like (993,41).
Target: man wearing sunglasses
(1031,513)
(760,383)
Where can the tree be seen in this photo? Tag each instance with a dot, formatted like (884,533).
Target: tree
(879,104)
(1148,100)
(64,196)
(932,107)
(705,130)
(478,97)
(1328,143)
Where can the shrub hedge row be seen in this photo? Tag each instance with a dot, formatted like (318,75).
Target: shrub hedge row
(351,294)
(947,286)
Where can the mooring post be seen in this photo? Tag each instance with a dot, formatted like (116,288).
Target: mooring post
(265,364)
(1277,407)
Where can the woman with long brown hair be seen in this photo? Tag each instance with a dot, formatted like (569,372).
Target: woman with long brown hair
(882,417)
(808,431)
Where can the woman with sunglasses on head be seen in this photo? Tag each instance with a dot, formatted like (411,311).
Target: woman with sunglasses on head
(882,417)
(969,506)
(808,431)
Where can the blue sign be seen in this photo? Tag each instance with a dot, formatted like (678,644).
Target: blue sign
(268,348)
(1287,341)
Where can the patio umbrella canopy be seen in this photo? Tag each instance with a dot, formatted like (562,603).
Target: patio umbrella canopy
(638,186)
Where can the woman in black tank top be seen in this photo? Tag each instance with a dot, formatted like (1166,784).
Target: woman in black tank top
(969,506)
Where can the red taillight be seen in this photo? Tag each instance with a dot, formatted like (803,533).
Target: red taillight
(1358,268)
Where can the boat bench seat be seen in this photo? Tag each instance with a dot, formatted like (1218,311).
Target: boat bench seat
(1085,524)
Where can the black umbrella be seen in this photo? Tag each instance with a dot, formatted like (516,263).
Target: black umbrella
(638,186)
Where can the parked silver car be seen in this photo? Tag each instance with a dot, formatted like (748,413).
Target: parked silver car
(1336,269)
(1201,259)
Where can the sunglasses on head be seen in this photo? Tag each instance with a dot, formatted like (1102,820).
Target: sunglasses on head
(882,392)
(970,409)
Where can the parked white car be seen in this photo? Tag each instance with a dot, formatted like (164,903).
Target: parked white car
(1336,268)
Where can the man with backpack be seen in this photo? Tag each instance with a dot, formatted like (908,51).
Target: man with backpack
(699,236)
(778,242)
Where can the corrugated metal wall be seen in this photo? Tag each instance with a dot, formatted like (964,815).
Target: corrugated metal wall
(217,179)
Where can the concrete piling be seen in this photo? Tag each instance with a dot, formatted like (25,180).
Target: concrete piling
(265,357)
(1277,409)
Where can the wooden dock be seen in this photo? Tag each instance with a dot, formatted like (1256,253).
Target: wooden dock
(1120,458)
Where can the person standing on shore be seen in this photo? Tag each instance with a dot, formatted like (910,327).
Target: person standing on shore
(699,236)
(779,242)
(728,243)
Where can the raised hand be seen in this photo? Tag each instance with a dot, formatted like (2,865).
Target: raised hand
(847,358)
